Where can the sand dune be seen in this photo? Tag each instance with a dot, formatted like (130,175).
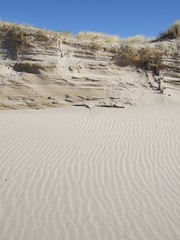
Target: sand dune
(72,173)
(41,69)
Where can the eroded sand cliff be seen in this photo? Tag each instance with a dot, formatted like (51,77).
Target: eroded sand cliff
(39,68)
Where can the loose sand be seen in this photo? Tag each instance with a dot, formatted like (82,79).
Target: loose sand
(75,173)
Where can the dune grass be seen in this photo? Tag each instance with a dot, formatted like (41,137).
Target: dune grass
(101,37)
(27,33)
(172,32)
(112,39)
(21,31)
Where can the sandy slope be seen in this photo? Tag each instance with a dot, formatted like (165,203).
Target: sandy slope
(72,173)
(40,69)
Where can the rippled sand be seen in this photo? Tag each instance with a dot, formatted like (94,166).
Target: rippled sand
(75,173)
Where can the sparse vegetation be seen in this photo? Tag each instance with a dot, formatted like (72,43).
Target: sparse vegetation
(17,30)
(172,32)
(124,49)
(21,36)
(26,35)
(146,57)
(137,39)
(100,37)
(112,39)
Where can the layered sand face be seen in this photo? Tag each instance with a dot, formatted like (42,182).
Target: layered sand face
(75,173)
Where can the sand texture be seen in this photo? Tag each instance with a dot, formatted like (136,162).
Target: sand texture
(75,173)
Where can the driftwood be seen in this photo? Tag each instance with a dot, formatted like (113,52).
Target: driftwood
(81,105)
(110,106)
(159,82)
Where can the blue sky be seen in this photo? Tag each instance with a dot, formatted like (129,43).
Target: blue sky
(124,17)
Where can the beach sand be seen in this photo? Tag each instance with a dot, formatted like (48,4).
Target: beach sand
(74,173)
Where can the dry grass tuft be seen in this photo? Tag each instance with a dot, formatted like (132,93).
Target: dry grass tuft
(137,39)
(110,43)
(64,34)
(147,57)
(100,37)
(112,39)
(172,32)
(28,34)
(21,32)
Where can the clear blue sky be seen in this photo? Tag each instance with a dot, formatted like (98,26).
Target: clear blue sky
(122,17)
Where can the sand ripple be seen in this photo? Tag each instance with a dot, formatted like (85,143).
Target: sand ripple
(73,173)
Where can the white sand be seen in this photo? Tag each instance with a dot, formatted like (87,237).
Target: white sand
(72,173)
